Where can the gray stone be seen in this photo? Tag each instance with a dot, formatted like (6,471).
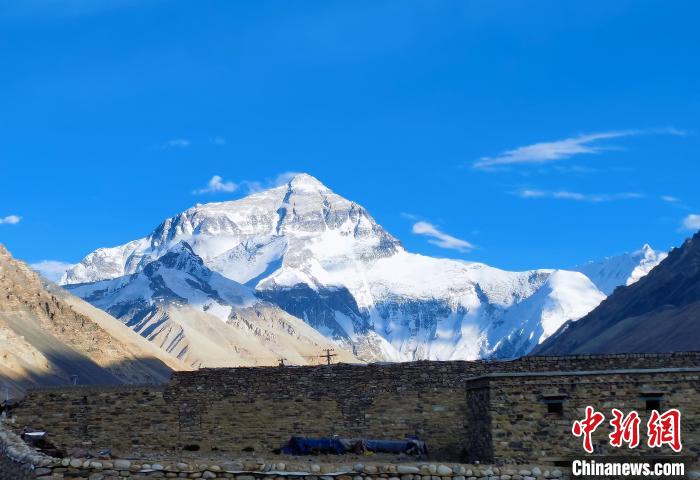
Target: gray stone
(556,473)
(536,472)
(122,464)
(208,474)
(444,470)
(407,469)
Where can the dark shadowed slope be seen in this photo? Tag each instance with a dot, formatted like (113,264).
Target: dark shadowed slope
(659,313)
(48,337)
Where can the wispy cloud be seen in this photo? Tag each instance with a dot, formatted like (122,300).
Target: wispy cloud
(546,152)
(254,186)
(440,238)
(577,196)
(177,143)
(691,222)
(10,220)
(217,184)
(220,141)
(51,269)
(670,199)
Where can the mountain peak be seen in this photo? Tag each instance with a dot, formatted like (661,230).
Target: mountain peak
(306,182)
(645,251)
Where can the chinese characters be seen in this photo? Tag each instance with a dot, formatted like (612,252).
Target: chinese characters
(662,429)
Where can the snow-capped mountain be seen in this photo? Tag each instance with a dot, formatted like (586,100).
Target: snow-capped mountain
(203,318)
(625,269)
(325,260)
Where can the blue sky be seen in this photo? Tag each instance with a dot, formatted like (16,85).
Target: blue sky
(520,134)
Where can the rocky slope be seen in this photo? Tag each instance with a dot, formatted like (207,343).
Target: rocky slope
(658,313)
(324,259)
(204,318)
(47,336)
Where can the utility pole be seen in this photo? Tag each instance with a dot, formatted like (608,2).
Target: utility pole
(329,355)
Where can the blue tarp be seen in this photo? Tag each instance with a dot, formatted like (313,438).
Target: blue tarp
(339,446)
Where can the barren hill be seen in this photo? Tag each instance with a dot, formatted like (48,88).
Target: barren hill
(47,337)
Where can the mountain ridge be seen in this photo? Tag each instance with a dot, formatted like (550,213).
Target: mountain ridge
(657,313)
(325,260)
(203,318)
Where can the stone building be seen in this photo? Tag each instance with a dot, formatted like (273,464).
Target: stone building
(501,413)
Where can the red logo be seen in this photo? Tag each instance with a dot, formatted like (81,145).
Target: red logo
(662,429)
(665,429)
(625,429)
(587,426)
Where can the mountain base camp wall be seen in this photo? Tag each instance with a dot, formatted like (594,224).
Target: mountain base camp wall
(232,411)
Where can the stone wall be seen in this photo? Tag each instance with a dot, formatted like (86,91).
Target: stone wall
(17,460)
(234,410)
(521,428)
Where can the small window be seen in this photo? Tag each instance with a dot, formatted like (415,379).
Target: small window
(555,403)
(652,400)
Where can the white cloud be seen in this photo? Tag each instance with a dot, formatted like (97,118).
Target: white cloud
(691,222)
(670,199)
(441,239)
(217,184)
(51,269)
(10,220)
(218,141)
(546,152)
(254,186)
(177,143)
(577,196)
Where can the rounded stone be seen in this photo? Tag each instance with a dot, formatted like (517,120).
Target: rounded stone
(444,470)
(122,464)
